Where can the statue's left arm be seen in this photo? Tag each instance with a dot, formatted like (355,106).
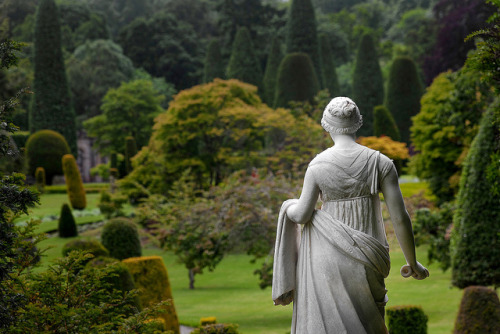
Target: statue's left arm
(301,212)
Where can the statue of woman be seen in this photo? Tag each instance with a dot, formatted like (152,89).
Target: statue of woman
(333,268)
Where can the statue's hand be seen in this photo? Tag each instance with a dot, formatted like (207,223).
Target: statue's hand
(419,271)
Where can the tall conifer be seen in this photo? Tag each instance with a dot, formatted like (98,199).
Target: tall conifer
(404,91)
(214,66)
(271,74)
(243,64)
(302,35)
(330,80)
(367,83)
(51,105)
(384,124)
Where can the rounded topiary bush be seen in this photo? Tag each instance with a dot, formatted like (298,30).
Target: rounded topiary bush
(74,184)
(67,225)
(120,237)
(92,246)
(151,278)
(217,329)
(407,319)
(479,312)
(46,148)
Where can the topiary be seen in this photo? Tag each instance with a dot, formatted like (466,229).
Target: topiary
(92,246)
(271,74)
(67,225)
(296,81)
(130,151)
(330,80)
(208,321)
(20,138)
(74,183)
(406,319)
(40,179)
(120,237)
(217,329)
(479,312)
(384,124)
(214,65)
(244,64)
(151,278)
(46,148)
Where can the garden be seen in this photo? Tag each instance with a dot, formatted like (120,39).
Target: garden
(147,147)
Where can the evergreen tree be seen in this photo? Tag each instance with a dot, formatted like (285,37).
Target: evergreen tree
(296,81)
(404,91)
(214,66)
(367,83)
(271,74)
(302,35)
(51,105)
(475,238)
(384,124)
(243,64)
(330,80)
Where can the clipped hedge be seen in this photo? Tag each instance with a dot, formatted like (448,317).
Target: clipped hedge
(20,138)
(151,278)
(479,312)
(121,238)
(208,321)
(67,225)
(90,188)
(217,329)
(40,179)
(406,319)
(74,183)
(93,246)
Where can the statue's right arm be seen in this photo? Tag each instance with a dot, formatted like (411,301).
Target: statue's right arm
(401,222)
(301,212)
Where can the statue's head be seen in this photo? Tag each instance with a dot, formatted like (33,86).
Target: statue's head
(341,116)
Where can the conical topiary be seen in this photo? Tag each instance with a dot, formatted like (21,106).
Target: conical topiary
(404,91)
(74,184)
(296,81)
(67,225)
(384,124)
(479,312)
(271,74)
(367,83)
(214,66)
(243,64)
(121,238)
(330,80)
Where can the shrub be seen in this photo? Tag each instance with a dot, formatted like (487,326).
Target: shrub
(217,329)
(111,205)
(120,237)
(74,183)
(479,312)
(330,80)
(406,319)
(296,81)
(40,179)
(214,65)
(46,148)
(271,74)
(384,124)
(67,224)
(92,246)
(244,64)
(20,138)
(151,278)
(208,321)
(393,149)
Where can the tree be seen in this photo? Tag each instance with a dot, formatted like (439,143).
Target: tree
(93,69)
(214,66)
(128,110)
(302,35)
(329,74)
(243,64)
(271,74)
(404,90)
(367,82)
(296,80)
(384,124)
(474,242)
(51,107)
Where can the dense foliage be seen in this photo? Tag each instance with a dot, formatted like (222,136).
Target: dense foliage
(479,311)
(243,63)
(330,81)
(384,124)
(74,184)
(51,107)
(407,320)
(214,65)
(89,246)
(271,74)
(67,224)
(121,238)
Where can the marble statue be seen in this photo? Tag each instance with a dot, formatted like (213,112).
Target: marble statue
(332,262)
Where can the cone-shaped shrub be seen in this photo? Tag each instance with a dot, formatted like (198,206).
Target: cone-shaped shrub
(130,152)
(474,244)
(296,81)
(406,320)
(384,124)
(121,239)
(67,224)
(51,105)
(40,179)
(367,83)
(271,74)
(92,246)
(244,64)
(214,66)
(151,278)
(404,90)
(74,184)
(45,149)
(330,80)
(302,35)
(479,312)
